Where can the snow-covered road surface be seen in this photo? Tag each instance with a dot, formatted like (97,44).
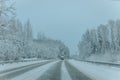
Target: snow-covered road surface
(53,73)
(75,73)
(11,73)
(9,66)
(97,72)
(60,70)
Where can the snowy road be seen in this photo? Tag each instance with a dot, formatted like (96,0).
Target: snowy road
(75,73)
(61,70)
(11,73)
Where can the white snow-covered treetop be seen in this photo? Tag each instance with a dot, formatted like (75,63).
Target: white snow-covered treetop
(5,12)
(5,9)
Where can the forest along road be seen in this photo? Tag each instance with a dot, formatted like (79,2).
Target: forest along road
(49,70)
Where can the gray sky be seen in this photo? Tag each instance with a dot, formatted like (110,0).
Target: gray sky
(67,20)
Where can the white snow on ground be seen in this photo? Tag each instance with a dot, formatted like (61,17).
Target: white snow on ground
(35,73)
(97,72)
(19,64)
(64,73)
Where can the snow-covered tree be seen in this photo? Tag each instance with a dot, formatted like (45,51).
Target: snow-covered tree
(17,42)
(41,36)
(112,27)
(118,34)
(85,45)
(28,31)
(103,42)
(4,9)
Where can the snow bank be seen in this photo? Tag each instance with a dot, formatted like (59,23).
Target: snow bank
(109,58)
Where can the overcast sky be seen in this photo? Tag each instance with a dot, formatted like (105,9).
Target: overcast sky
(67,20)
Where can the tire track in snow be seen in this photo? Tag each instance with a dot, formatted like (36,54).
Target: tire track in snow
(35,73)
(54,73)
(8,70)
(21,70)
(64,74)
(75,73)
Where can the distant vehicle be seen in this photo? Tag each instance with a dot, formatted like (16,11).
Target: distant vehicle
(62,57)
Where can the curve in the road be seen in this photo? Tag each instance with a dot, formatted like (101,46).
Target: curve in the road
(54,73)
(75,73)
(21,70)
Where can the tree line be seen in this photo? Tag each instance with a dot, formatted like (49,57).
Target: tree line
(17,41)
(102,43)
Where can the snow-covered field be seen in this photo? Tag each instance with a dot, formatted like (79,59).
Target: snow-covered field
(58,70)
